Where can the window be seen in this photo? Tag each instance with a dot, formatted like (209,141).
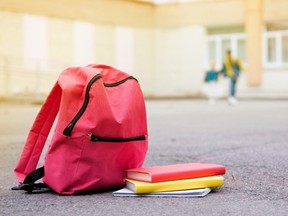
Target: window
(285,49)
(275,50)
(220,43)
(212,50)
(271,55)
(241,49)
(225,45)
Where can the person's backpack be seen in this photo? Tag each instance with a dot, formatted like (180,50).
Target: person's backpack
(101,131)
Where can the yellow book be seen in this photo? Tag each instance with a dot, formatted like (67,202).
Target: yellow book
(140,187)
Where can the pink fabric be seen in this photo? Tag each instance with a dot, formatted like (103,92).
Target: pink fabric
(74,164)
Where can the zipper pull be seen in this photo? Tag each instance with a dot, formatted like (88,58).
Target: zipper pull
(93,137)
(90,135)
(68,130)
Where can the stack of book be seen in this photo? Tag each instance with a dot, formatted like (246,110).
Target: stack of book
(177,180)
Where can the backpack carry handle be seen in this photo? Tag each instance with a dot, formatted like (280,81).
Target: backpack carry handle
(38,134)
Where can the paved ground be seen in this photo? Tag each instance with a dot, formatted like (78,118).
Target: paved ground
(250,139)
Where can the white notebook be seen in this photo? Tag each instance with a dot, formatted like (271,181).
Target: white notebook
(183,193)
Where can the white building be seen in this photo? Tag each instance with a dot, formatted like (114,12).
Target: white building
(168,47)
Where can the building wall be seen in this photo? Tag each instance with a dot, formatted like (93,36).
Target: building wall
(11,34)
(207,13)
(178,61)
(275,10)
(11,44)
(111,12)
(165,47)
(68,43)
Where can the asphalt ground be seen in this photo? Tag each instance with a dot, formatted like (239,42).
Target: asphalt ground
(250,139)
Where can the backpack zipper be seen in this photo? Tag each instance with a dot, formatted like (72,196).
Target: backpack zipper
(119,82)
(95,138)
(68,130)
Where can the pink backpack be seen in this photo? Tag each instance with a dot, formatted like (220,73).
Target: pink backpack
(101,132)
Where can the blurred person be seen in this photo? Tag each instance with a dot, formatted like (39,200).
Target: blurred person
(231,69)
(212,89)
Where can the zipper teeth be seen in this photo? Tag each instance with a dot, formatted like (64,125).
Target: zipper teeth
(95,138)
(68,130)
(119,82)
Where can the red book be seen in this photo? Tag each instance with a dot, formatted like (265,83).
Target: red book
(175,172)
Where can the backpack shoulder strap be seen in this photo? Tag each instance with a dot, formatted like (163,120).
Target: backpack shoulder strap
(38,134)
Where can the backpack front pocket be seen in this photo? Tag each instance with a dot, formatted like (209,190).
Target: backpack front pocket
(95,138)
